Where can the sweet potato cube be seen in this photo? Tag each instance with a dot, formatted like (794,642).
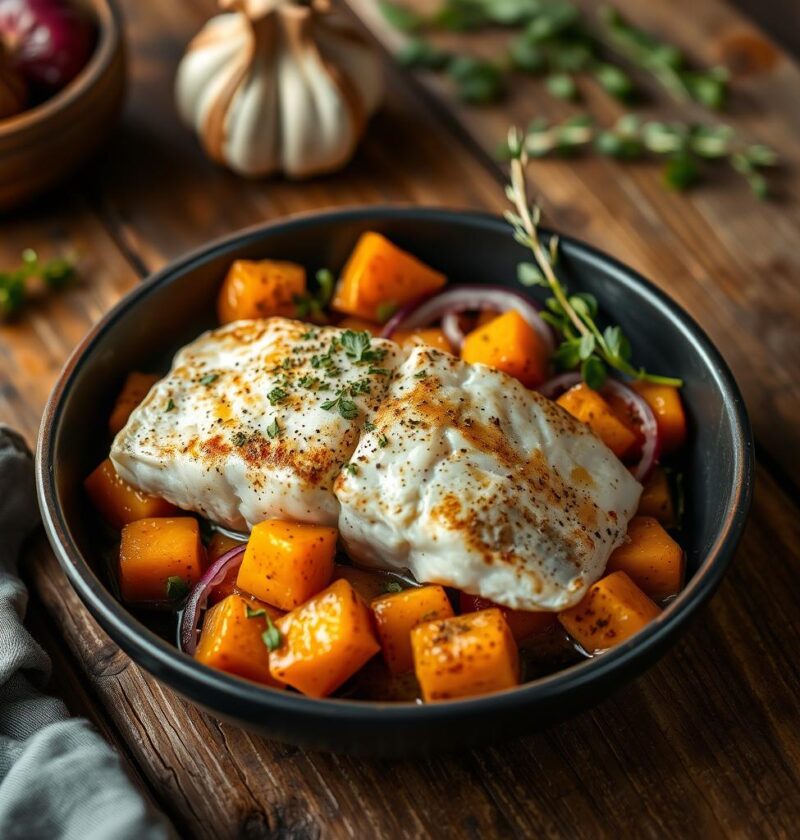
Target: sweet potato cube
(159,559)
(586,405)
(656,499)
(396,615)
(610,613)
(285,563)
(379,273)
(425,337)
(508,343)
(324,641)
(232,639)
(133,392)
(465,655)
(522,623)
(668,409)
(260,289)
(650,558)
(118,502)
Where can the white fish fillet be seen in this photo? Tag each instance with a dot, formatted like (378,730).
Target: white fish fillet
(470,480)
(205,437)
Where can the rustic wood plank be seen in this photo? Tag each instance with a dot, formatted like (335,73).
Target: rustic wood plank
(706,743)
(729,259)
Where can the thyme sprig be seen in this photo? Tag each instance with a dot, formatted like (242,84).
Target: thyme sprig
(684,146)
(53,274)
(574,316)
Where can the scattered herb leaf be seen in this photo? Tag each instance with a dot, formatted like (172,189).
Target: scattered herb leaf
(209,379)
(271,636)
(273,430)
(177,588)
(392,586)
(249,612)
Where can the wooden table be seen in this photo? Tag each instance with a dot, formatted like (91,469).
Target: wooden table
(708,742)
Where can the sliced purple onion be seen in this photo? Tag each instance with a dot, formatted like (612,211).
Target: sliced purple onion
(651,447)
(457,299)
(198,597)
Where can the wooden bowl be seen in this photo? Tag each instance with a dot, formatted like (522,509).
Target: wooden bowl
(42,145)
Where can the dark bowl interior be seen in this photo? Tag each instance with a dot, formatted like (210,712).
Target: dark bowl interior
(172,307)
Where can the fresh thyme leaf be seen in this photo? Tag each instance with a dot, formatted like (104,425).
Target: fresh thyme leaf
(249,612)
(383,441)
(351,468)
(209,378)
(573,315)
(392,586)
(310,382)
(357,346)
(170,404)
(276,396)
(369,427)
(273,430)
(348,409)
(271,636)
(176,588)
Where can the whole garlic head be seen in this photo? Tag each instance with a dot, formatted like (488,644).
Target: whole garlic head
(279,86)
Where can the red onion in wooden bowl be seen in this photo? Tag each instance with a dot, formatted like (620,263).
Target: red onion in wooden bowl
(48,41)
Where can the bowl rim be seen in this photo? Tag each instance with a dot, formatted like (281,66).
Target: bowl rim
(181,671)
(109,30)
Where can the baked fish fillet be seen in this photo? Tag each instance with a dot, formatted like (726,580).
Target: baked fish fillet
(255,420)
(470,480)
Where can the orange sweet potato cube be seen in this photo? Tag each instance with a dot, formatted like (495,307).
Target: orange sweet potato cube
(232,639)
(260,289)
(610,613)
(508,343)
(379,273)
(423,337)
(656,499)
(650,558)
(589,407)
(668,409)
(465,655)
(324,641)
(118,502)
(156,553)
(285,563)
(396,615)
(133,392)
(522,623)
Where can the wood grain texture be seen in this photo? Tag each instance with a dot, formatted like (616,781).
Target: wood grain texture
(706,744)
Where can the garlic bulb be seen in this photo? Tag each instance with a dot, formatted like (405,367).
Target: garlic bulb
(278,85)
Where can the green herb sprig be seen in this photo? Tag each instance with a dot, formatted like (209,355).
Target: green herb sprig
(177,588)
(685,147)
(573,316)
(313,304)
(54,274)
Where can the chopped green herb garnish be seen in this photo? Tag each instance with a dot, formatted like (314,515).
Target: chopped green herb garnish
(209,378)
(363,386)
(170,405)
(351,468)
(177,588)
(239,439)
(383,441)
(421,374)
(273,430)
(377,371)
(249,612)
(358,346)
(310,382)
(271,636)
(276,395)
(309,335)
(347,408)
(369,427)
(392,586)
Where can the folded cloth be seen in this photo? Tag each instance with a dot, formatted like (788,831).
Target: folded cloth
(58,777)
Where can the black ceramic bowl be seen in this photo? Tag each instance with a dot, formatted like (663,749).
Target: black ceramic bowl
(173,306)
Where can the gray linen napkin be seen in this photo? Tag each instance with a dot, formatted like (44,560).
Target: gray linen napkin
(58,777)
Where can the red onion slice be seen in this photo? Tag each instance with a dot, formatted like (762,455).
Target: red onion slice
(198,597)
(457,299)
(651,448)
